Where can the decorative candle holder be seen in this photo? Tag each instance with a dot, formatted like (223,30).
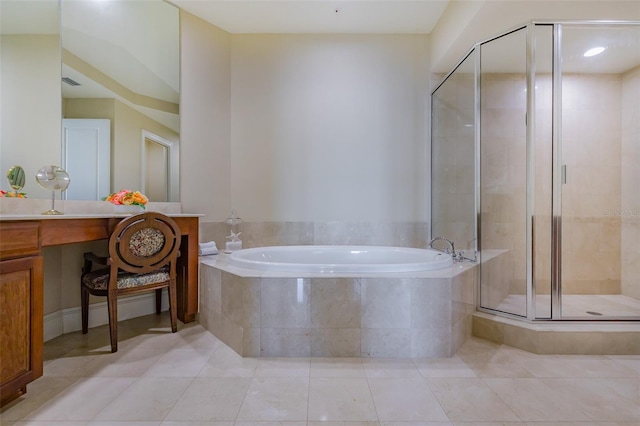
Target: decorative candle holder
(53,178)
(234,243)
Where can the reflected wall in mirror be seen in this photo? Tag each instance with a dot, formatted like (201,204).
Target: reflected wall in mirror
(29,89)
(124,55)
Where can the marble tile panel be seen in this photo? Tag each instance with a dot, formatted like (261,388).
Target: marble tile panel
(431,342)
(378,295)
(283,367)
(73,405)
(229,332)
(210,288)
(275,399)
(430,303)
(39,393)
(196,336)
(470,399)
(285,303)
(571,343)
(385,343)
(535,400)
(575,366)
(340,399)
(226,363)
(620,343)
(132,363)
(498,364)
(443,367)
(251,342)
(171,363)
(336,342)
(146,399)
(210,399)
(520,337)
(405,399)
(241,299)
(260,234)
(464,287)
(285,342)
(336,367)
(77,363)
(390,367)
(630,361)
(335,303)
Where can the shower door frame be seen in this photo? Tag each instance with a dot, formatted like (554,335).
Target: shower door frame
(556,170)
(559,177)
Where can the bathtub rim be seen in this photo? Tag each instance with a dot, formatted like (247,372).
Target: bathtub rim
(236,260)
(221,262)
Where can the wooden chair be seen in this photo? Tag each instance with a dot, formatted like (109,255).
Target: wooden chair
(143,251)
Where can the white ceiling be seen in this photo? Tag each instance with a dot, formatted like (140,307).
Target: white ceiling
(318,16)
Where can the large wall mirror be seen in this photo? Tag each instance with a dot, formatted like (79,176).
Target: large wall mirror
(117,65)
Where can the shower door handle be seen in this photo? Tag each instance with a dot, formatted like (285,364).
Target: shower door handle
(563,174)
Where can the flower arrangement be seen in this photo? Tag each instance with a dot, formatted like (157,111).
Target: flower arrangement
(12,194)
(127,197)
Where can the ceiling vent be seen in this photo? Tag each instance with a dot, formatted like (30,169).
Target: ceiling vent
(70,81)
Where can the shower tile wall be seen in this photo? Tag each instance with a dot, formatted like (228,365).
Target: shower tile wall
(601,208)
(503,185)
(630,205)
(591,198)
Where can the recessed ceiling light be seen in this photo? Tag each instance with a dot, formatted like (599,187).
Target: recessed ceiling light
(593,51)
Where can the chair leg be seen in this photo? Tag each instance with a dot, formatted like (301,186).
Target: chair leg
(158,301)
(173,306)
(112,304)
(84,305)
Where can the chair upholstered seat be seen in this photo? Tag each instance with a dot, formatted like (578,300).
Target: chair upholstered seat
(143,256)
(99,280)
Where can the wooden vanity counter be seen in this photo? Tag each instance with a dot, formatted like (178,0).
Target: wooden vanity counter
(22,238)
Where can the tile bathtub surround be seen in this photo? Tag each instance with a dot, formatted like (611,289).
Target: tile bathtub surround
(260,234)
(482,384)
(419,315)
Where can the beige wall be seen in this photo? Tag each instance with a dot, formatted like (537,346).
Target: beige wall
(30,106)
(303,127)
(329,127)
(205,102)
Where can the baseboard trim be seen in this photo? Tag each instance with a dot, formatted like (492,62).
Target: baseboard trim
(70,319)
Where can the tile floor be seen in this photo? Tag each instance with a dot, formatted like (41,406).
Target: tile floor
(191,378)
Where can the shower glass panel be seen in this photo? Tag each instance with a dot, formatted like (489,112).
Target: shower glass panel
(503,173)
(600,153)
(453,211)
(541,154)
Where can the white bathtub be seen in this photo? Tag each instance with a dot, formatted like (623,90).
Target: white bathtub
(339,259)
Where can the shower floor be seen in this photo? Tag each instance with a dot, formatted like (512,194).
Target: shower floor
(576,305)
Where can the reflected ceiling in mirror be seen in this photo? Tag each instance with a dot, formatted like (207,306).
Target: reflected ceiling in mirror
(127,50)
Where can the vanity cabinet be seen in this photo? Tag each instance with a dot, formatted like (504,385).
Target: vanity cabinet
(20,308)
(21,285)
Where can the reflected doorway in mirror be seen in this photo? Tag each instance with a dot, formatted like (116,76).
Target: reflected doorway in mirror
(158,163)
(86,155)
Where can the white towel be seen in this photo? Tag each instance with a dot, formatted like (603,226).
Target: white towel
(205,249)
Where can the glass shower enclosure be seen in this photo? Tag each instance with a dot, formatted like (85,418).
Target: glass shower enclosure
(535,152)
